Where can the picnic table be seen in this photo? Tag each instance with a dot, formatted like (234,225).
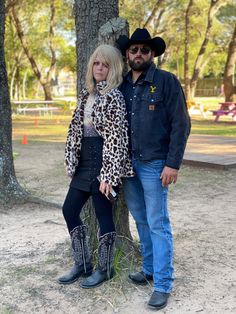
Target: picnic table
(42,106)
(227,108)
(193,105)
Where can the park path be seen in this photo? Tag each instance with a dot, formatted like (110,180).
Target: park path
(217,152)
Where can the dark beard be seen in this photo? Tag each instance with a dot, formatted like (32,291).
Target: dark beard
(139,66)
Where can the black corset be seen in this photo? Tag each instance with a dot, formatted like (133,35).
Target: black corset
(90,164)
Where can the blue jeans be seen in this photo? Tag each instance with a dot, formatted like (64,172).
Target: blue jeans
(147,202)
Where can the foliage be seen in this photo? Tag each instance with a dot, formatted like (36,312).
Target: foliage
(171,28)
(35,18)
(170,14)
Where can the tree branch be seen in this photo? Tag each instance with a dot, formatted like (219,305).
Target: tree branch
(153,13)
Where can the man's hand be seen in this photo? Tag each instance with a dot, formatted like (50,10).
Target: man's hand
(168,176)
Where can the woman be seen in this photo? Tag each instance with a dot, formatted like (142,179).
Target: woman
(97,146)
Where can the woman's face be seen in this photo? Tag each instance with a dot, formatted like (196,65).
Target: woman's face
(100,70)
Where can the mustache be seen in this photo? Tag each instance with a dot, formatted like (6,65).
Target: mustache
(138,58)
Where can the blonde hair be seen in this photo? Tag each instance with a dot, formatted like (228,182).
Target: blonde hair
(112,57)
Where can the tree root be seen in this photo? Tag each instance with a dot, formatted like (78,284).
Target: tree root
(10,200)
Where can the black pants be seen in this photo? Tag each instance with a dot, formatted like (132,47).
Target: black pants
(74,203)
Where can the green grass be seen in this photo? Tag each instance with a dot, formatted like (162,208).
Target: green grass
(209,127)
(41,128)
(211,103)
(21,271)
(224,127)
(7,310)
(15,155)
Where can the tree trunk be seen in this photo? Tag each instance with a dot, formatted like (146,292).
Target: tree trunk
(186,51)
(96,23)
(9,186)
(213,9)
(17,86)
(24,84)
(90,15)
(229,84)
(108,34)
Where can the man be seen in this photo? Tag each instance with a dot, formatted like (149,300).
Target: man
(159,126)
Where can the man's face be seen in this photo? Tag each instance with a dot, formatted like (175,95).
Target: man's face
(139,57)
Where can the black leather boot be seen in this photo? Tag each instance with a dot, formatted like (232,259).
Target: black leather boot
(104,270)
(140,278)
(83,265)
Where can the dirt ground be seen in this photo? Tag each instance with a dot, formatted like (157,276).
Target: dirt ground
(35,249)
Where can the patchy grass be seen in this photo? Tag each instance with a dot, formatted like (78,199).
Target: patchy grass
(211,103)
(209,127)
(41,128)
(7,310)
(54,128)
(21,271)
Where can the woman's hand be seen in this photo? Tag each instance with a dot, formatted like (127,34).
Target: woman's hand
(105,188)
(66,172)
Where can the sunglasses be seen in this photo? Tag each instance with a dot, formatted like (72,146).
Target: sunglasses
(143,50)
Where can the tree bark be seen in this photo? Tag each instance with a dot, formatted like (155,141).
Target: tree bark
(229,84)
(108,33)
(9,186)
(90,15)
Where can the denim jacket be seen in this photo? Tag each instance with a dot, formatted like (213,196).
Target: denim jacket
(159,124)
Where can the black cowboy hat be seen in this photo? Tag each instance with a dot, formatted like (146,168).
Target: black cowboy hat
(141,36)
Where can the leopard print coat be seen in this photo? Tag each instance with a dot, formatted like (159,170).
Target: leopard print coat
(109,120)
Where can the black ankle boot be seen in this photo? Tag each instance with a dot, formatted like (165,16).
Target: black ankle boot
(81,255)
(75,272)
(104,270)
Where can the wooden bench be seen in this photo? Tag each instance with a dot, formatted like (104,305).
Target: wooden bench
(226,109)
(23,106)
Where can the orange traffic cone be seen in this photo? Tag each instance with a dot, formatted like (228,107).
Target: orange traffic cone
(24,140)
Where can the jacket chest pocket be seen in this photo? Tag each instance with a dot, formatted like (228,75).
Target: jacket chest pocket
(152,103)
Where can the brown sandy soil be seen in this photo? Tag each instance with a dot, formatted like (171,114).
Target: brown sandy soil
(34,245)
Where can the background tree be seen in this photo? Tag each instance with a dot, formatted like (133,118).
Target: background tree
(45,36)
(200,62)
(9,186)
(207,29)
(45,80)
(186,49)
(229,73)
